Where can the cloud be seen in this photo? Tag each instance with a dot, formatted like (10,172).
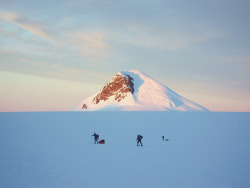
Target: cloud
(91,45)
(63,72)
(155,36)
(166,39)
(27,25)
(239,64)
(235,59)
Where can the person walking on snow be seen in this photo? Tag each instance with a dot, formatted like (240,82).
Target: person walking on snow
(96,137)
(139,138)
(163,138)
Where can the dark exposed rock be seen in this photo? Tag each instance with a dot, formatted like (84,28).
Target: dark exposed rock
(129,82)
(118,87)
(84,106)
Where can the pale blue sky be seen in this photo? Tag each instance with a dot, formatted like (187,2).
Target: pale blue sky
(200,49)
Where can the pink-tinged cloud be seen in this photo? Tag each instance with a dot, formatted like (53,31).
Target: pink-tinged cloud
(91,45)
(25,24)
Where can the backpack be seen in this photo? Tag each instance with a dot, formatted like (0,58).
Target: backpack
(139,137)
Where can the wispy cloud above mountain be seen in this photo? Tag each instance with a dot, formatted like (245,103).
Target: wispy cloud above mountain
(27,24)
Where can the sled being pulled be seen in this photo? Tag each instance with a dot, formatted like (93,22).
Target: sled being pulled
(102,142)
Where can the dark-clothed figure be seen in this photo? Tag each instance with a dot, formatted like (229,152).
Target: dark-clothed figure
(163,138)
(96,137)
(139,138)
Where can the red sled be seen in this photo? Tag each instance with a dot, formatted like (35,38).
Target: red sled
(102,142)
(167,140)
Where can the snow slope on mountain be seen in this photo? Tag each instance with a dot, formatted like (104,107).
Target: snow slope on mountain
(146,95)
(56,150)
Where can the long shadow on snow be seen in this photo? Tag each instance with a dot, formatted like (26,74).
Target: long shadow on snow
(137,83)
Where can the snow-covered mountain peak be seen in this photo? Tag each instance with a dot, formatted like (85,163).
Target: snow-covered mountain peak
(132,90)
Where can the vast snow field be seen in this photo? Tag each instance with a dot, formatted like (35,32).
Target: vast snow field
(55,149)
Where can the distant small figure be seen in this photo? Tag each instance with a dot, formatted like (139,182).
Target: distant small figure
(163,138)
(96,137)
(139,138)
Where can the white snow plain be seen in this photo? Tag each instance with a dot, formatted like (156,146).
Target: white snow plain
(55,149)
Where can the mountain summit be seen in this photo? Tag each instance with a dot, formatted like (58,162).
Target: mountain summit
(135,91)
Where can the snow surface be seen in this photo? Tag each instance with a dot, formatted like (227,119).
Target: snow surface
(149,95)
(55,149)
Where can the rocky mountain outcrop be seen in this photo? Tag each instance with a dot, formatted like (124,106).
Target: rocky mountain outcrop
(118,88)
